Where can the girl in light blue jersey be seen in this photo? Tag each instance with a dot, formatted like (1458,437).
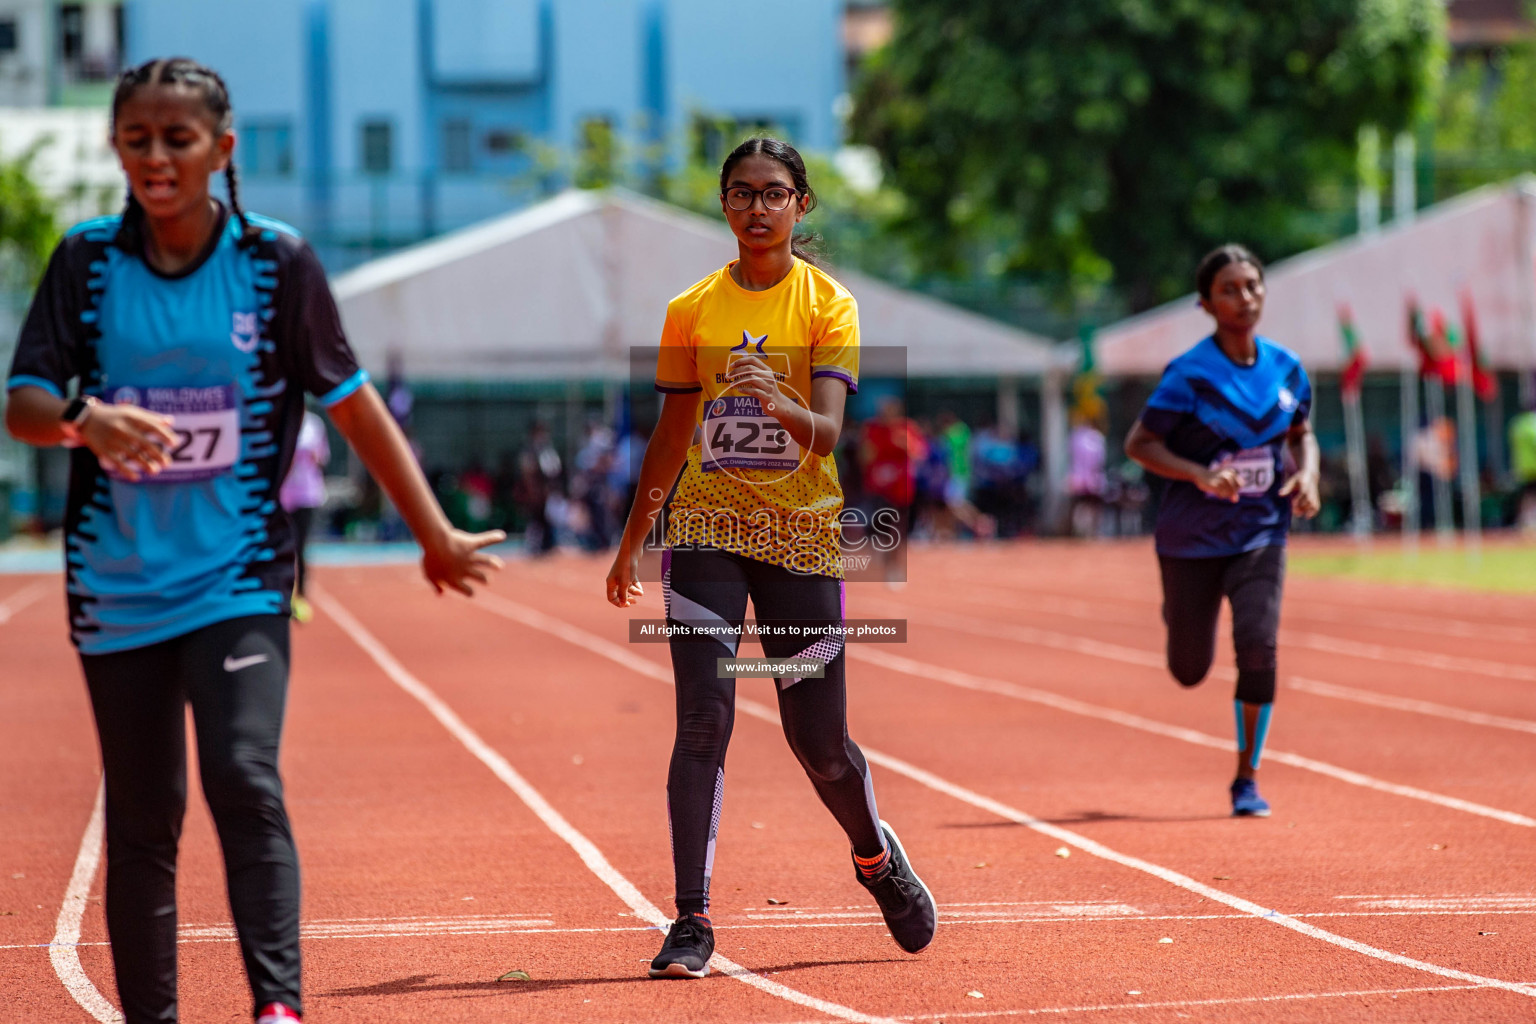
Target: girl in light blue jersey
(172,347)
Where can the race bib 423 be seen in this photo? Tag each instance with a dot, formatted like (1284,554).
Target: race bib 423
(738,434)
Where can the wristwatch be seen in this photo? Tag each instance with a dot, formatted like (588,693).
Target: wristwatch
(73,418)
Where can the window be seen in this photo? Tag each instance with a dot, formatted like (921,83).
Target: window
(8,35)
(71,31)
(268,149)
(378,147)
(503,141)
(458,152)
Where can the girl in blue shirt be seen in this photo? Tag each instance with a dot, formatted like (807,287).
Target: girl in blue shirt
(1226,420)
(190,332)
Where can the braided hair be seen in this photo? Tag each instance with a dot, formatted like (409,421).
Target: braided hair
(186,72)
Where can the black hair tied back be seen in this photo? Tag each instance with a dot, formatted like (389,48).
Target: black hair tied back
(804,246)
(1213,261)
(210,88)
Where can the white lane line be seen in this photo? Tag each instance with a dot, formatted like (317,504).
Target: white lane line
(19,600)
(730,924)
(967,681)
(594,644)
(66,932)
(1174,1004)
(1422,707)
(1408,656)
(584,847)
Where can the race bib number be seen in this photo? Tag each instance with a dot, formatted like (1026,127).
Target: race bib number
(206,423)
(1255,469)
(739,435)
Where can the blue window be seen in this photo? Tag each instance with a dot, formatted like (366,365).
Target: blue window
(267,148)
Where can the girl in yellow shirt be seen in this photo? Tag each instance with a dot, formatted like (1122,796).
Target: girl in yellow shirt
(761,355)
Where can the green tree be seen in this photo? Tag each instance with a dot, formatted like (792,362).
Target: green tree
(1101,141)
(1484,129)
(28,220)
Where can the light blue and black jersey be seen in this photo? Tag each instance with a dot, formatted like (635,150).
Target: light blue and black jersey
(228,348)
(1210,410)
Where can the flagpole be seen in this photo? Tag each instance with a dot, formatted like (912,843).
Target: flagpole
(1359,486)
(1408,400)
(1466,433)
(1434,401)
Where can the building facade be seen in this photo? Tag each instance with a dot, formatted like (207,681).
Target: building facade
(374,123)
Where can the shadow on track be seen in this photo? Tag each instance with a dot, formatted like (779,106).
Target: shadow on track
(1090,817)
(421,983)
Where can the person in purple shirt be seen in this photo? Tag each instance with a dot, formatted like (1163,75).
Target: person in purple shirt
(303,492)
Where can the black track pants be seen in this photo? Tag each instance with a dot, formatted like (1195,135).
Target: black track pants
(711,586)
(234,675)
(1192,593)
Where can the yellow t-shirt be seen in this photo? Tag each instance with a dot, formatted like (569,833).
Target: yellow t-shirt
(747,487)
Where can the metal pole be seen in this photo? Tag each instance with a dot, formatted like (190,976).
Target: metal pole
(1368,174)
(1434,400)
(1466,432)
(1404,187)
(1361,518)
(1526,276)
(1408,399)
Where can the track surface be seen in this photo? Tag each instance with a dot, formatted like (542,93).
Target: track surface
(1026,715)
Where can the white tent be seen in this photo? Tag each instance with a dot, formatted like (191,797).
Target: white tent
(564,289)
(1477,245)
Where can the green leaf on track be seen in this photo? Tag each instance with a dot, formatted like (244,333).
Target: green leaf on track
(515,976)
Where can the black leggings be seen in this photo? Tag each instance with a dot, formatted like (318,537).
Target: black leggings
(704,586)
(235,676)
(1192,593)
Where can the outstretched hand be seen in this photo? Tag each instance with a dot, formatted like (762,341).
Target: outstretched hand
(457,558)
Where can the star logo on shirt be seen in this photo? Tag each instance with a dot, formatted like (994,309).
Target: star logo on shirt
(748,340)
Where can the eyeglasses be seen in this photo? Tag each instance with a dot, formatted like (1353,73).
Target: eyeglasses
(775,197)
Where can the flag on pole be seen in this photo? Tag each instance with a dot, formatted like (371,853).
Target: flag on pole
(1426,336)
(1442,348)
(1354,354)
(1483,382)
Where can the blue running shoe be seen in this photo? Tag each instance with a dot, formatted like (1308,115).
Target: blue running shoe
(1246,802)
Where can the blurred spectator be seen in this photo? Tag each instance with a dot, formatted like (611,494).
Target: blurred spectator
(890,450)
(1086,482)
(590,486)
(537,491)
(397,393)
(302,492)
(1001,464)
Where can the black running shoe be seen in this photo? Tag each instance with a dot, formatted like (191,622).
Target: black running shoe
(690,943)
(905,901)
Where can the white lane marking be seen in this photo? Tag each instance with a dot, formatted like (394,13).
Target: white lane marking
(595,644)
(584,847)
(1422,707)
(1178,1003)
(62,951)
(730,924)
(1451,904)
(19,600)
(1301,638)
(982,684)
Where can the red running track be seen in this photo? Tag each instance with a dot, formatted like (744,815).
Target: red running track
(518,821)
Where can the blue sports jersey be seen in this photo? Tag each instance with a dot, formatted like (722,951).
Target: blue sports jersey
(1210,410)
(227,347)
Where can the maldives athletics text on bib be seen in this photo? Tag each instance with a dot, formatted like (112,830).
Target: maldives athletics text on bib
(207,426)
(738,434)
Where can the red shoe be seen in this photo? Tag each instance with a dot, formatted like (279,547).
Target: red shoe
(277,1013)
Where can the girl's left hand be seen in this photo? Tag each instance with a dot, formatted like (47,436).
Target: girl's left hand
(1302,488)
(457,557)
(751,376)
